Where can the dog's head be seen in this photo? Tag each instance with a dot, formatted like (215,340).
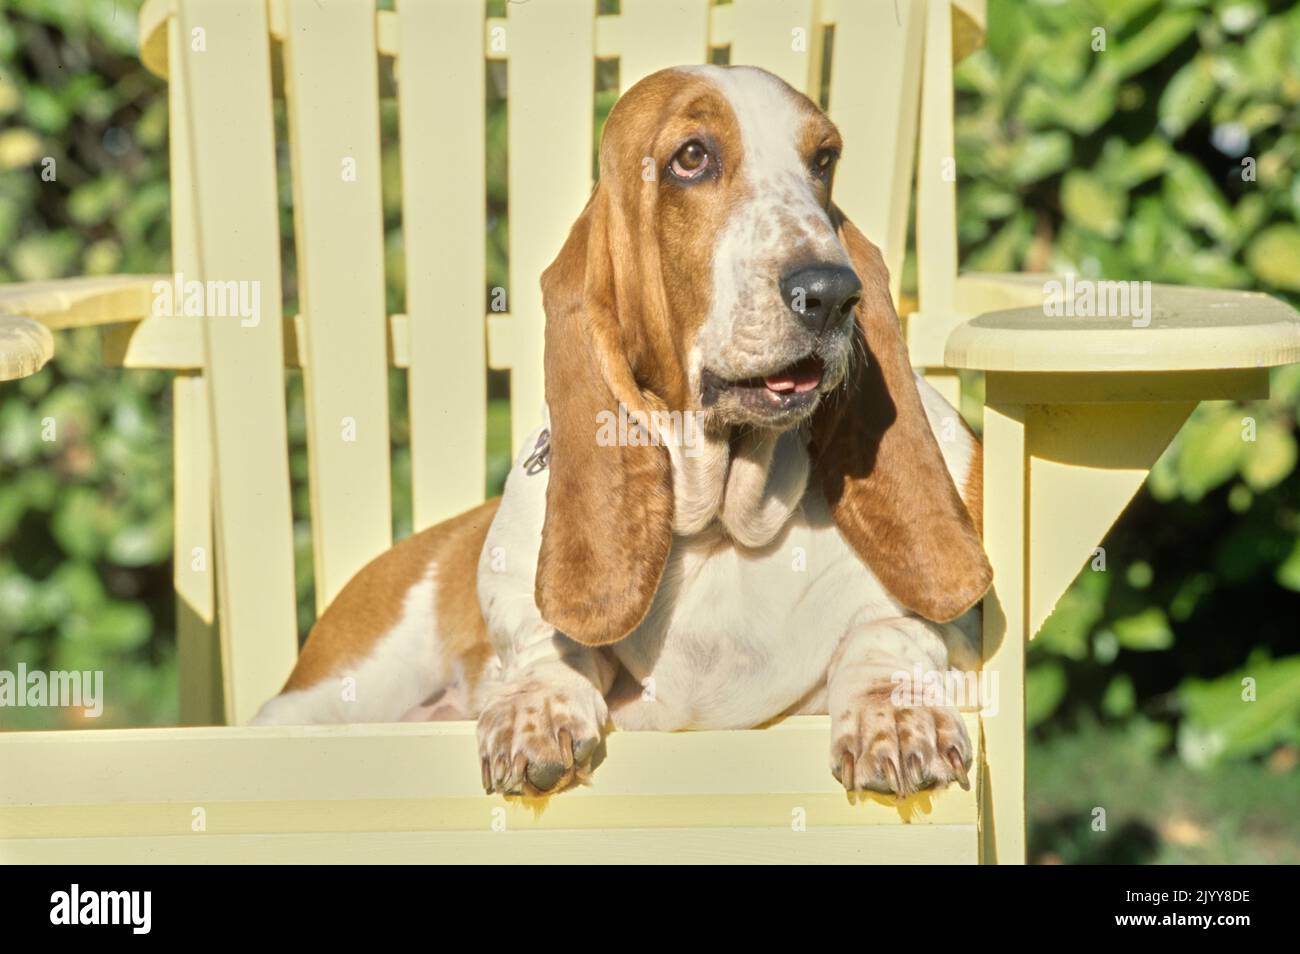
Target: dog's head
(711,275)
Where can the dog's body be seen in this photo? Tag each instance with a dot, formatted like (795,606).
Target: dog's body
(784,562)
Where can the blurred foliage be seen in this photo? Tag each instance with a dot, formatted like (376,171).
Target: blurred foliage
(1168,155)
(1158,141)
(85,478)
(1158,810)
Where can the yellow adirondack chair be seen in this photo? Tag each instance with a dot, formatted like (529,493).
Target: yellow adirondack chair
(1077,410)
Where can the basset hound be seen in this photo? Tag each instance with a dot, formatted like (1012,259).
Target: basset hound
(743,504)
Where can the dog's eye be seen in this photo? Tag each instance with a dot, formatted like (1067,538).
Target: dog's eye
(690,161)
(824,162)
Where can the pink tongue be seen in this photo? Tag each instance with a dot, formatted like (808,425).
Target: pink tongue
(798,379)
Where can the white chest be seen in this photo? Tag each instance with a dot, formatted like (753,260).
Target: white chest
(737,636)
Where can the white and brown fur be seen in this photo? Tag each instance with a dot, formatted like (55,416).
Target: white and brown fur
(771,571)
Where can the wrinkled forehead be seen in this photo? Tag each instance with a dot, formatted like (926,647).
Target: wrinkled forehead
(760,122)
(776,125)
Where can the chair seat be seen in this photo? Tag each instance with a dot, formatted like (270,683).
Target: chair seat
(1189,329)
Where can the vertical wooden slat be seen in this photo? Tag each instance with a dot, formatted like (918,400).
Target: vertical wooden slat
(874,99)
(552,50)
(661,33)
(444,220)
(936,175)
(332,85)
(225,61)
(198,644)
(764,34)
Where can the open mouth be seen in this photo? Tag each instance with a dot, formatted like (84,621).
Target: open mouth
(791,388)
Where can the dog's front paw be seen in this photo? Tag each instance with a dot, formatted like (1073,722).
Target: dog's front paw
(538,734)
(898,750)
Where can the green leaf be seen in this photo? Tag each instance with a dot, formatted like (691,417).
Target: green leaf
(1190,592)
(1288,571)
(1155,41)
(1284,386)
(1210,448)
(1146,631)
(1065,631)
(1082,111)
(1045,686)
(92,203)
(1125,167)
(1274,256)
(79,524)
(44,110)
(1223,723)
(140,544)
(1250,213)
(45,256)
(1038,156)
(1120,699)
(1194,198)
(1187,96)
(115,627)
(1005,251)
(74,587)
(1271,458)
(1163,483)
(1089,203)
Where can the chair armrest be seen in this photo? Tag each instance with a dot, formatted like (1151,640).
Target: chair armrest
(25,347)
(974,293)
(81,302)
(1163,328)
(978,292)
(30,310)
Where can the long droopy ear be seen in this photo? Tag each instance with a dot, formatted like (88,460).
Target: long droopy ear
(880,467)
(609,507)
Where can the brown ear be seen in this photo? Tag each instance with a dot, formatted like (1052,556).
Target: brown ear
(881,470)
(608,524)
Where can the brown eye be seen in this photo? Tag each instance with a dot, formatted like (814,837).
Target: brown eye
(824,162)
(691,160)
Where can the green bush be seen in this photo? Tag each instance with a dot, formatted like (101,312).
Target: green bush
(85,474)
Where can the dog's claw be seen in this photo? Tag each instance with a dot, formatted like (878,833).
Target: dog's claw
(954,759)
(891,770)
(916,772)
(846,771)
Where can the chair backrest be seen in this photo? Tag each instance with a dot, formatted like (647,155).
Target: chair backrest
(863,57)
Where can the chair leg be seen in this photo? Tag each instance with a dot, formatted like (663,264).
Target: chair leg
(1002,815)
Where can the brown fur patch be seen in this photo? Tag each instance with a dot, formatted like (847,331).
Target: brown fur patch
(881,469)
(624,299)
(371,603)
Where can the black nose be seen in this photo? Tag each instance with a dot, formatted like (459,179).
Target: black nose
(821,295)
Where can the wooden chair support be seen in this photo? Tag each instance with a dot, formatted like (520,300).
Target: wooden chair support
(1077,410)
